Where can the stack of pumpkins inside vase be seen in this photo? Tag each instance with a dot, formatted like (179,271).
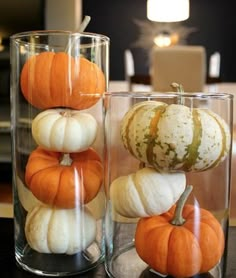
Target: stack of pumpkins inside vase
(174,238)
(64,173)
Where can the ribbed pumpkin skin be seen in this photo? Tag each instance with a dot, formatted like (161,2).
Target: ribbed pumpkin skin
(64,186)
(51,80)
(180,251)
(59,231)
(146,192)
(175,137)
(64,130)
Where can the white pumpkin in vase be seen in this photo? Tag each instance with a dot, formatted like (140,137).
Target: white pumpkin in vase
(146,192)
(59,231)
(64,130)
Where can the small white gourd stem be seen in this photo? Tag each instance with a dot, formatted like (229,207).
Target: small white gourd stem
(66,113)
(180,90)
(81,29)
(66,160)
(178,219)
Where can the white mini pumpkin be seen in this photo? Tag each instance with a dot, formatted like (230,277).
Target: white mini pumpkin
(175,137)
(146,192)
(64,130)
(60,231)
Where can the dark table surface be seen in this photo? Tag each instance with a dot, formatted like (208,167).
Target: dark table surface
(9,269)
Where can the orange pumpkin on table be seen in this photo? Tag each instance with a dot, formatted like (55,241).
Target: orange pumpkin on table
(180,250)
(52,79)
(64,180)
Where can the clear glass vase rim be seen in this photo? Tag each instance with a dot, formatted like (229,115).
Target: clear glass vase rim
(196,95)
(26,34)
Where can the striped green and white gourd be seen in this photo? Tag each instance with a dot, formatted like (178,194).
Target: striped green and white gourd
(175,137)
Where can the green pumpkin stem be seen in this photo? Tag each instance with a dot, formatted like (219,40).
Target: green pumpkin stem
(66,160)
(179,89)
(178,219)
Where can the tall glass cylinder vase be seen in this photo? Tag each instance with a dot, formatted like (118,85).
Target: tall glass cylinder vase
(57,84)
(168,184)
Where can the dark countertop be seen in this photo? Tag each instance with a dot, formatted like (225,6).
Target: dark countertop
(8,268)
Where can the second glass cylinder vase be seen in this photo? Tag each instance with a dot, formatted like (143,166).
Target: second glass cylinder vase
(167,184)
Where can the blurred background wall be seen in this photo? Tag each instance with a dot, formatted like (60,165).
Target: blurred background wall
(214,21)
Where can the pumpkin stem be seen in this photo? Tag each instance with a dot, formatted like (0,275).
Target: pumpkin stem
(65,113)
(66,160)
(178,219)
(81,29)
(142,165)
(84,23)
(179,89)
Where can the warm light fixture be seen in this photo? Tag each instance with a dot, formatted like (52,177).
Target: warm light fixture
(167,10)
(157,33)
(162,40)
(165,39)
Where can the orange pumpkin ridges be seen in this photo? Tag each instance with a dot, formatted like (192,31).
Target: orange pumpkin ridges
(62,185)
(181,251)
(52,79)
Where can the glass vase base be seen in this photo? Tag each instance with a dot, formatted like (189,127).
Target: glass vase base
(59,265)
(126,263)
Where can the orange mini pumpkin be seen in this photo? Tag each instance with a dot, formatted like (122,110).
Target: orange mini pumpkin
(52,79)
(184,250)
(64,180)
